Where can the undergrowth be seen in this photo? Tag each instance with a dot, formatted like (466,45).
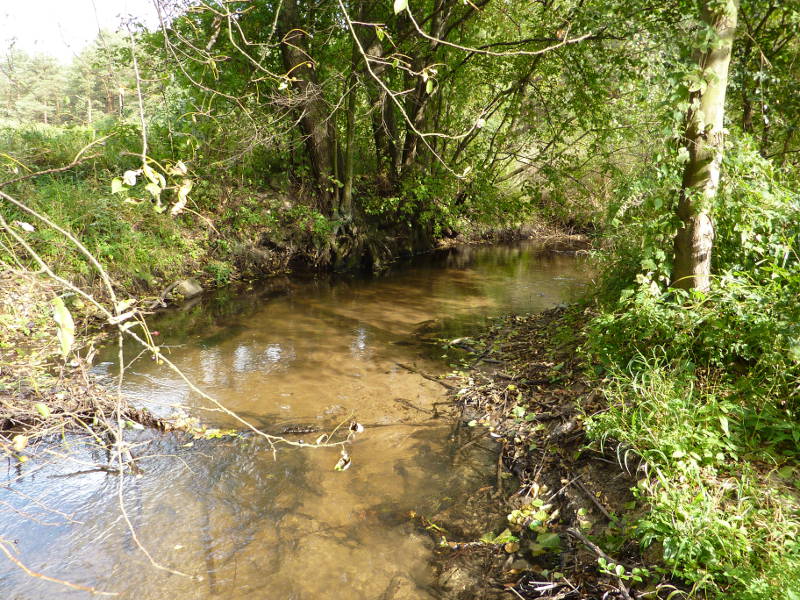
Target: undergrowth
(226,232)
(702,388)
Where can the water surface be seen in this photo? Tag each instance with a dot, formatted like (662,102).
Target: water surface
(250,523)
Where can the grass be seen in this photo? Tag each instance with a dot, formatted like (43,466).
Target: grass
(703,389)
(723,509)
(141,248)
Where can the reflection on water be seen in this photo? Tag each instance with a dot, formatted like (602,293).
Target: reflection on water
(254,525)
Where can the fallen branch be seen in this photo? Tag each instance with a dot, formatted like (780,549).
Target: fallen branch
(426,376)
(577,481)
(599,551)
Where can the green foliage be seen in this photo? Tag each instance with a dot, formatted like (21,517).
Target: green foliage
(140,247)
(219,271)
(702,385)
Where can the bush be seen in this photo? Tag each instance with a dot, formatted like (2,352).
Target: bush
(704,386)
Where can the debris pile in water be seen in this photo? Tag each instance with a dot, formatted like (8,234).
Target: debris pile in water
(41,393)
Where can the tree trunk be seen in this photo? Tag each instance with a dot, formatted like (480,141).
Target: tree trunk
(315,124)
(417,102)
(787,144)
(704,140)
(384,124)
(350,141)
(747,101)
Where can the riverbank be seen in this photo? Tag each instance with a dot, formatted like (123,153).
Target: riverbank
(597,475)
(235,234)
(42,394)
(527,389)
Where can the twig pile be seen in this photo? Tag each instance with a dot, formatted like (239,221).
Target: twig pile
(568,501)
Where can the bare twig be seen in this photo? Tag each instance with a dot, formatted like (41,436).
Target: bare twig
(4,549)
(425,375)
(79,158)
(599,552)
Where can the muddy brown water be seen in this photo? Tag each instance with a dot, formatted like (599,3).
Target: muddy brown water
(249,524)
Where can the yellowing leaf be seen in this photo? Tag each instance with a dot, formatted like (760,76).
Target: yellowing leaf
(19,443)
(125,304)
(154,189)
(66,326)
(344,462)
(42,409)
(178,168)
(183,196)
(154,176)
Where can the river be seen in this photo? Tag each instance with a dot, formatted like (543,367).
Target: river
(247,522)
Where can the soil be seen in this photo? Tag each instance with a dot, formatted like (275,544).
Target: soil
(527,389)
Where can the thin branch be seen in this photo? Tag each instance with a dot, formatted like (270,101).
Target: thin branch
(564,41)
(79,158)
(37,575)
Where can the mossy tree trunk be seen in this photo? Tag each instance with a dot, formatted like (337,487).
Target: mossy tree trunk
(704,140)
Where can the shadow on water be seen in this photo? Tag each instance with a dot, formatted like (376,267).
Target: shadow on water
(257,525)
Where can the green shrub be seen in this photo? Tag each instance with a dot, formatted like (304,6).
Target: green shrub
(704,386)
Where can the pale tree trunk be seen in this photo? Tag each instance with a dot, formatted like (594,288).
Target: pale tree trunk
(704,140)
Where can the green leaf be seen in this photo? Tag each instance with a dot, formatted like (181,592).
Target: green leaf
(42,409)
(154,189)
(117,186)
(400,6)
(549,541)
(66,326)
(429,86)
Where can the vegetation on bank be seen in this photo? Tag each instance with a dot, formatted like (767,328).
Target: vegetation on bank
(702,387)
(228,231)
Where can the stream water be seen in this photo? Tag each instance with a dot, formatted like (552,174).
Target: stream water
(253,524)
